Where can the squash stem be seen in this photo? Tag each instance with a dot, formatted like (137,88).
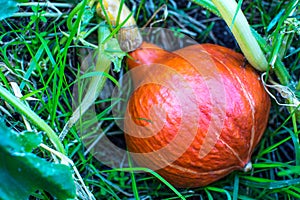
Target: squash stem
(249,43)
(280,71)
(279,68)
(242,33)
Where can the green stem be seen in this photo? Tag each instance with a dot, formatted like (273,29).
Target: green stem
(281,73)
(279,68)
(33,117)
(242,33)
(95,85)
(251,43)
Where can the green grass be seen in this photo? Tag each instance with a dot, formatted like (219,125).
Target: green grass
(42,54)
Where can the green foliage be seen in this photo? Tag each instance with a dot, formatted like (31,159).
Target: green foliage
(26,172)
(38,14)
(43,51)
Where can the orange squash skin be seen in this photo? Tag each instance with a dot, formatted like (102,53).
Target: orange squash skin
(246,109)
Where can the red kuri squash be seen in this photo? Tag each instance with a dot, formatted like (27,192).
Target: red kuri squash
(196,114)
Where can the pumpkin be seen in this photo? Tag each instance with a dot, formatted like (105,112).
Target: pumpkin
(196,114)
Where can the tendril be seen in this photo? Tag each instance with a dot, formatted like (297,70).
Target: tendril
(284,91)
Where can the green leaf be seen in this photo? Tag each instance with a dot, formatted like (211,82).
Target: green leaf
(28,141)
(291,171)
(7,8)
(35,8)
(219,190)
(27,172)
(275,20)
(207,4)
(264,183)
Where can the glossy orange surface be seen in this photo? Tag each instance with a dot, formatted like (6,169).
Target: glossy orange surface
(196,113)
